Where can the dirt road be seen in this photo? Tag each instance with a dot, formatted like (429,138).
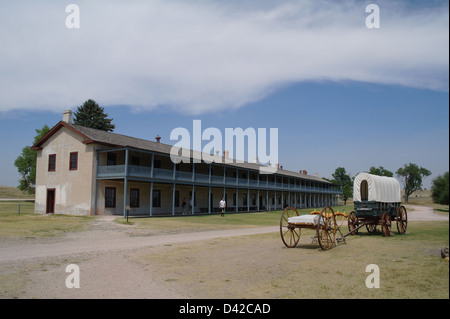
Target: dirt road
(106,255)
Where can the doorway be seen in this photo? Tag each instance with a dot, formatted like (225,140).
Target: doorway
(50,209)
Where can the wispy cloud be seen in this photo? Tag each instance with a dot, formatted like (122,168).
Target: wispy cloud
(205,56)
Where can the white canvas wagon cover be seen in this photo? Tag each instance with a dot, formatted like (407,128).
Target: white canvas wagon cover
(376,188)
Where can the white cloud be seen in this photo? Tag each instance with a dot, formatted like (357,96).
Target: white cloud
(206,56)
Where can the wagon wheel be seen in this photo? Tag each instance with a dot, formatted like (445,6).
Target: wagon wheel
(402,220)
(326,228)
(352,223)
(386,224)
(371,228)
(290,235)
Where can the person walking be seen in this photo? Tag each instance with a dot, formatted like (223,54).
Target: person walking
(222,206)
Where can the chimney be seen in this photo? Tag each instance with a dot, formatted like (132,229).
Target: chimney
(305,172)
(67,116)
(158,139)
(217,152)
(316,174)
(277,166)
(225,154)
(255,160)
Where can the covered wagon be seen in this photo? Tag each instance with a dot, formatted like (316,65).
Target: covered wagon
(377,202)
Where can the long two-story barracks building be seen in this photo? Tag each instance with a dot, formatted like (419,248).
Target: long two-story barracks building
(83,171)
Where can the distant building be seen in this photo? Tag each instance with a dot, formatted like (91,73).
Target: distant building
(83,171)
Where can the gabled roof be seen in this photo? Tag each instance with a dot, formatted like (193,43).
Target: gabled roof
(93,136)
(38,145)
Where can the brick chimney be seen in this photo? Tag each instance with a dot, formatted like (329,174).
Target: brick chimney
(67,116)
(158,139)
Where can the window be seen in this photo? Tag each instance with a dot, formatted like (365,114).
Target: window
(110,197)
(135,160)
(73,161)
(111,159)
(177,198)
(253,199)
(156,198)
(244,199)
(134,197)
(52,163)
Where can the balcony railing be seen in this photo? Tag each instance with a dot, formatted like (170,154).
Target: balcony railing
(121,171)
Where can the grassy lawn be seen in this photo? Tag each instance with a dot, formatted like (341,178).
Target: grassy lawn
(423,198)
(210,222)
(13,192)
(30,225)
(260,266)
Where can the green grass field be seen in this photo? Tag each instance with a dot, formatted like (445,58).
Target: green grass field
(13,192)
(27,224)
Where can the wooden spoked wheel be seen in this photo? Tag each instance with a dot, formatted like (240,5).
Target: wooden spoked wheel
(290,235)
(371,228)
(352,223)
(402,220)
(326,228)
(386,224)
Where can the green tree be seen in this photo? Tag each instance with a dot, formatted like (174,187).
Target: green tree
(440,189)
(90,114)
(26,164)
(344,181)
(412,178)
(380,171)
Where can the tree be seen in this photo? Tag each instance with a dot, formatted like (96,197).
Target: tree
(90,114)
(26,164)
(344,181)
(380,171)
(412,175)
(440,189)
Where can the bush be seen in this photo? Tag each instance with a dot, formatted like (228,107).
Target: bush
(440,189)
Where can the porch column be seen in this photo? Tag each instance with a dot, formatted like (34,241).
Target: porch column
(237,200)
(173,196)
(125,185)
(151,198)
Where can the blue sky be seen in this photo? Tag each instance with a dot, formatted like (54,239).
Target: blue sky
(341,95)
